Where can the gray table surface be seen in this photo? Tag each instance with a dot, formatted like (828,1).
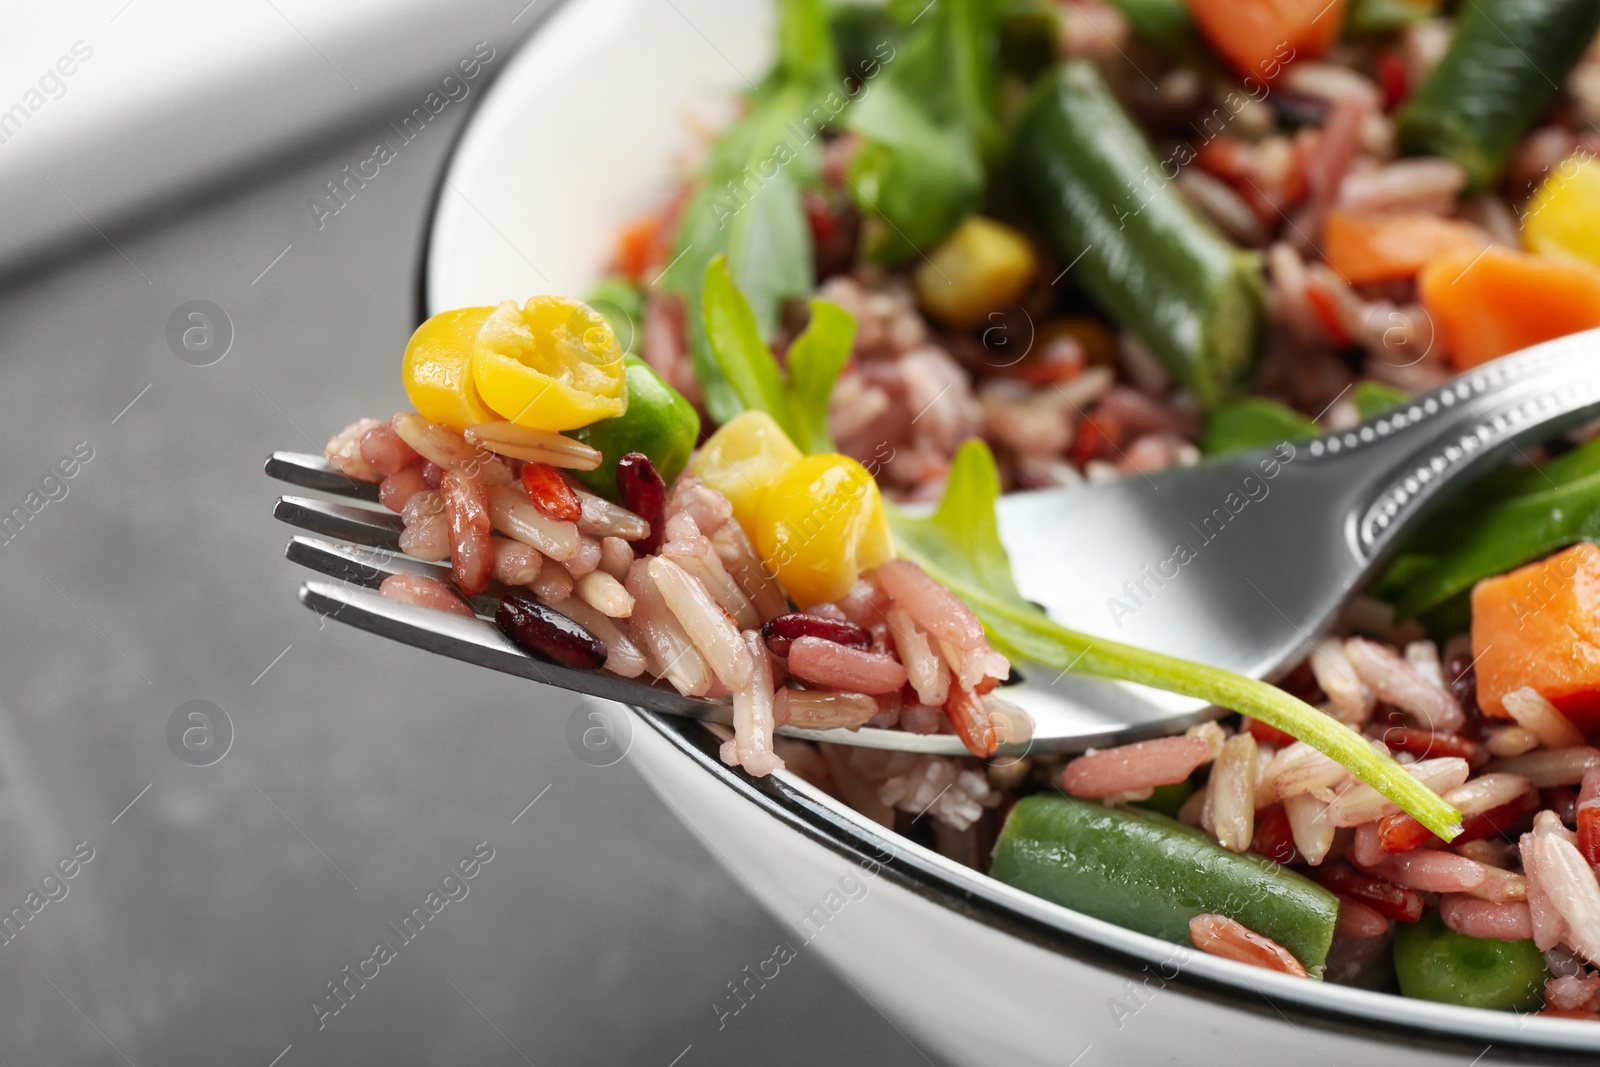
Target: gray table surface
(217,906)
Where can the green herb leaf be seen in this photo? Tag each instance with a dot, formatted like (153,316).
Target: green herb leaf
(805,42)
(928,125)
(768,235)
(756,221)
(815,359)
(1374,398)
(1517,516)
(913,180)
(1253,422)
(1384,16)
(959,545)
(798,402)
(1168,24)
(1030,35)
(742,357)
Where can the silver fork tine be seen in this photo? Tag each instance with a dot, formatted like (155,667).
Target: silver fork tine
(310,471)
(363,526)
(374,556)
(477,642)
(368,567)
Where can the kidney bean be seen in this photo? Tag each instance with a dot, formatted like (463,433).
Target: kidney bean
(645,494)
(780,632)
(548,633)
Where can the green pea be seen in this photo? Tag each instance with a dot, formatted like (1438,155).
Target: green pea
(1434,962)
(659,422)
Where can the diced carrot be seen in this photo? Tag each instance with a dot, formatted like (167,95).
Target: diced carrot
(1326,310)
(1539,626)
(1491,303)
(1380,248)
(1399,832)
(639,245)
(1258,38)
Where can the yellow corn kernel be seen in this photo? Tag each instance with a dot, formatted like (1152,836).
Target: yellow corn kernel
(1563,217)
(437,370)
(742,459)
(984,267)
(553,364)
(820,524)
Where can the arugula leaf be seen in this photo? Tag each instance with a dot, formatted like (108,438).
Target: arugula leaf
(1030,32)
(913,179)
(1516,516)
(1374,398)
(1253,422)
(863,33)
(929,126)
(1385,16)
(742,356)
(757,221)
(768,235)
(798,403)
(959,545)
(815,359)
(1166,22)
(805,41)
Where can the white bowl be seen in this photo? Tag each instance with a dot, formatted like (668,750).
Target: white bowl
(581,131)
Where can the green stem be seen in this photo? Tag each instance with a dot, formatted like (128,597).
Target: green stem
(1033,636)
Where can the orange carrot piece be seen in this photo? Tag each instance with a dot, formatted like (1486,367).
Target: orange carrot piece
(1258,38)
(1380,248)
(638,246)
(1486,305)
(1539,625)
(1232,940)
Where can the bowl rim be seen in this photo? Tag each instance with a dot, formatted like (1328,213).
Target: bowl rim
(1343,1009)
(828,822)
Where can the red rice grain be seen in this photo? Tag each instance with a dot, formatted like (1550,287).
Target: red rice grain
(1232,940)
(849,670)
(1142,765)
(1479,918)
(424,592)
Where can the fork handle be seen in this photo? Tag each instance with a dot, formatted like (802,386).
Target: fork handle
(1462,428)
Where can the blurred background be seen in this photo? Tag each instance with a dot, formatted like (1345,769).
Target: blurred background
(158,157)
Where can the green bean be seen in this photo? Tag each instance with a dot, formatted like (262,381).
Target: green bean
(1149,873)
(1131,240)
(1504,66)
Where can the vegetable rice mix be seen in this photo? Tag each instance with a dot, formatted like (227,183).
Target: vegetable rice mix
(985,246)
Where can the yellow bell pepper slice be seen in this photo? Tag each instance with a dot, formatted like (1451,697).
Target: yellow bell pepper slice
(820,524)
(553,364)
(437,370)
(1563,218)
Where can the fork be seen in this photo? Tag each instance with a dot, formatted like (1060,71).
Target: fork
(1240,562)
